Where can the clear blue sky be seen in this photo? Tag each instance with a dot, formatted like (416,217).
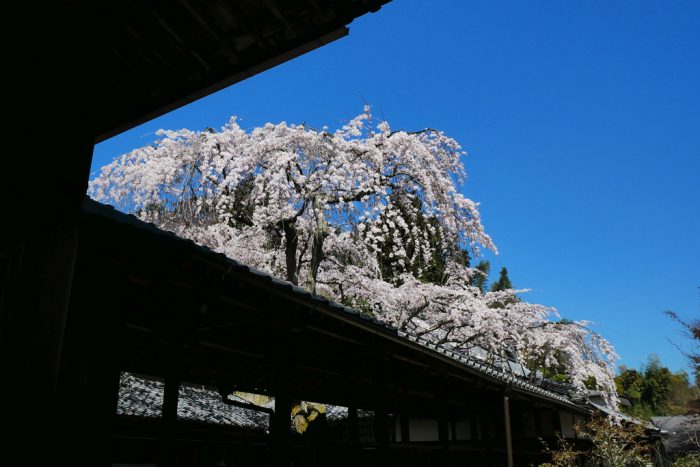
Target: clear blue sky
(582,123)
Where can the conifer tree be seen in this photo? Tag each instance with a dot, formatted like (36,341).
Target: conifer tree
(503,282)
(481,275)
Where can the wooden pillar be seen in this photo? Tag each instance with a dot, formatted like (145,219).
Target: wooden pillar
(43,178)
(352,423)
(487,442)
(353,455)
(168,439)
(404,420)
(508,435)
(474,427)
(443,428)
(557,421)
(443,424)
(537,411)
(88,383)
(170,398)
(381,438)
(280,429)
(478,434)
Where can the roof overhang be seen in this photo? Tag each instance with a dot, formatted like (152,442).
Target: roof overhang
(153,57)
(168,281)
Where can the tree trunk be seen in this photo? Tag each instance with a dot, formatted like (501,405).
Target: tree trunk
(290,248)
(316,258)
(319,237)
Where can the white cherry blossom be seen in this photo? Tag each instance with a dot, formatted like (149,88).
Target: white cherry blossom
(319,208)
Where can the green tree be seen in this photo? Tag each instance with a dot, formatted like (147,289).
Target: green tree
(630,384)
(681,395)
(425,266)
(481,276)
(503,282)
(656,390)
(657,385)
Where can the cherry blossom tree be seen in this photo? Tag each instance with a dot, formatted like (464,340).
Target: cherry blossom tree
(366,215)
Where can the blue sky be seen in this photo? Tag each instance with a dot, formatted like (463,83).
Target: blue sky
(582,124)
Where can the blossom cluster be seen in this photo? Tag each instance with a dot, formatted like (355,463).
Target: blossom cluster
(360,215)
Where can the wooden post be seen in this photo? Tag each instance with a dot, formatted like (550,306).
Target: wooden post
(556,419)
(167,441)
(381,438)
(280,429)
(477,432)
(352,423)
(474,427)
(170,400)
(88,382)
(404,421)
(509,441)
(443,429)
(487,441)
(43,192)
(538,421)
(170,397)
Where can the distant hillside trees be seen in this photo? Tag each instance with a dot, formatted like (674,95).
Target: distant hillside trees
(655,390)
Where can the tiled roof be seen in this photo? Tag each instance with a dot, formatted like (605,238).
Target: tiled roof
(682,430)
(480,364)
(476,359)
(140,397)
(143,397)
